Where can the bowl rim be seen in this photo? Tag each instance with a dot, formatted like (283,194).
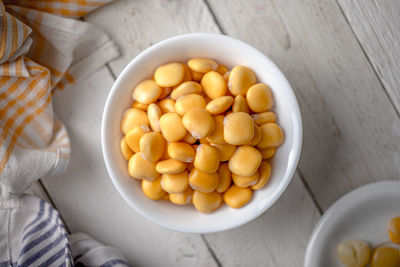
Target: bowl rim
(298,139)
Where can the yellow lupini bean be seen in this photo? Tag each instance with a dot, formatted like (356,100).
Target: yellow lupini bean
(268,153)
(245,161)
(202,181)
(238,128)
(219,105)
(185,103)
(190,167)
(154,113)
(213,84)
(394,230)
(225,178)
(264,117)
(222,69)
(265,172)
(186,88)
(141,106)
(164,92)
(132,138)
(188,75)
(226,76)
(240,80)
(207,158)
(245,181)
(354,253)
(167,105)
(182,198)
(133,117)
(385,257)
(139,168)
(257,136)
(170,166)
(152,189)
(271,136)
(152,146)
(259,97)
(202,65)
(226,151)
(240,104)
(189,139)
(236,197)
(198,122)
(146,92)
(206,202)
(170,74)
(204,141)
(181,151)
(217,136)
(175,183)
(196,76)
(171,127)
(125,149)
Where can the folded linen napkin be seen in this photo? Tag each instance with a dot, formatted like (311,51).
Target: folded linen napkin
(42,50)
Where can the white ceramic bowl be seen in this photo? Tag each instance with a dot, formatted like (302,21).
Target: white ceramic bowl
(231,52)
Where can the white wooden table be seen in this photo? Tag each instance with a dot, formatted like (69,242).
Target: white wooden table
(342,58)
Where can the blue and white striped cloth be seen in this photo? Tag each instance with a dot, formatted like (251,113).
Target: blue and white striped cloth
(32,234)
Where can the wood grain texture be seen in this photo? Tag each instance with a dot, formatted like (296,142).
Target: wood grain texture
(377,27)
(87,199)
(351,130)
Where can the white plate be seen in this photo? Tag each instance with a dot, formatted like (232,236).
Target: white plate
(362,214)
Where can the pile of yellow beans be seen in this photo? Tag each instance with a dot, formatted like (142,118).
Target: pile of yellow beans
(357,253)
(201,134)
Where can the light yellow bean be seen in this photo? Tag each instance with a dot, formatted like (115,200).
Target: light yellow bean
(171,127)
(198,122)
(245,161)
(354,253)
(125,149)
(207,158)
(202,181)
(187,102)
(132,138)
(167,105)
(152,146)
(240,80)
(385,257)
(165,156)
(154,114)
(259,97)
(225,178)
(181,151)
(182,198)
(257,136)
(175,183)
(202,65)
(170,74)
(189,139)
(271,136)
(152,189)
(240,104)
(268,153)
(236,197)
(213,84)
(226,150)
(188,75)
(226,76)
(186,88)
(238,128)
(264,117)
(217,136)
(133,117)
(164,92)
(219,105)
(265,172)
(141,106)
(222,69)
(245,181)
(170,166)
(196,76)
(139,168)
(146,92)
(206,202)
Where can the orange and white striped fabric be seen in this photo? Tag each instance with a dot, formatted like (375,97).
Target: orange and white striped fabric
(41,48)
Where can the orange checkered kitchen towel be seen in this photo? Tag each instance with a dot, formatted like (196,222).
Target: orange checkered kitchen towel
(42,49)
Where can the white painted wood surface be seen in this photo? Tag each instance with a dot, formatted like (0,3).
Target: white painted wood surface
(377,26)
(351,129)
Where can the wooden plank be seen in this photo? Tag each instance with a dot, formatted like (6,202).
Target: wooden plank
(351,130)
(87,199)
(377,27)
(277,238)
